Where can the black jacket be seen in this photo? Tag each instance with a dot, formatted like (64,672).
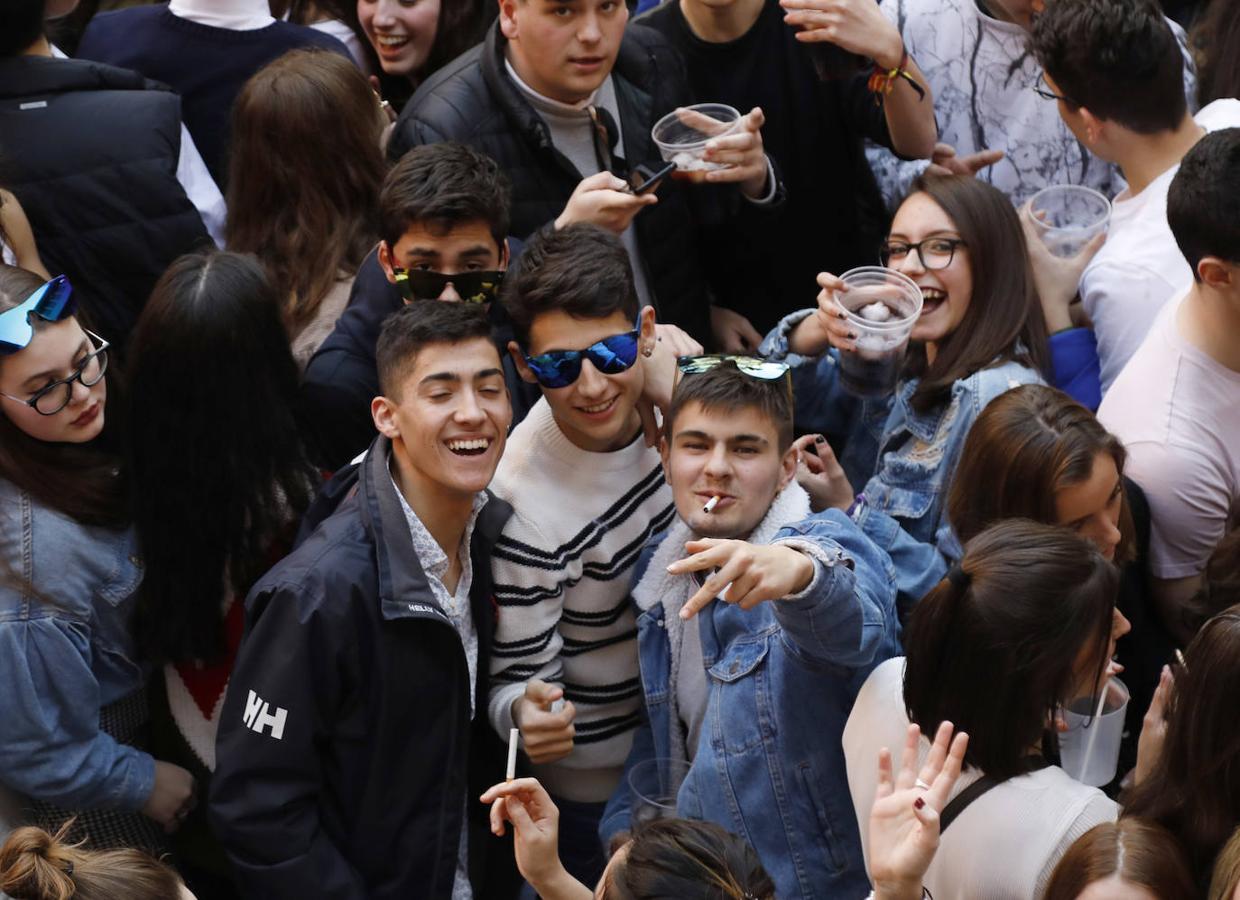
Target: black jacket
(346,756)
(474,101)
(342,378)
(91,153)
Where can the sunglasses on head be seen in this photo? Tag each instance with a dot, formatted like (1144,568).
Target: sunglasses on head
(473,287)
(611,356)
(52,302)
(753,366)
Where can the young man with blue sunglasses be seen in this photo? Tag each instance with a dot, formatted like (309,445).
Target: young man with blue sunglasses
(588,492)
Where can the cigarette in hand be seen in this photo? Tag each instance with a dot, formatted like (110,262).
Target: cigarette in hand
(711,504)
(513,734)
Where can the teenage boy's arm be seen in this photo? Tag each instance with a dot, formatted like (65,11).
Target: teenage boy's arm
(265,793)
(525,655)
(832,590)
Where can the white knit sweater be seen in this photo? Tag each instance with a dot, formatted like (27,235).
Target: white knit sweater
(563,572)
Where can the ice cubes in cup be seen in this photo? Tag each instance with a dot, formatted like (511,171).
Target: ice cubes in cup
(881,306)
(682,135)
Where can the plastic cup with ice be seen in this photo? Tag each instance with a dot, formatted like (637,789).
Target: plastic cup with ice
(682,135)
(881,306)
(1068,216)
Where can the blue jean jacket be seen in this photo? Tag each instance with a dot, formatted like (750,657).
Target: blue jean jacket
(782,678)
(902,460)
(66,652)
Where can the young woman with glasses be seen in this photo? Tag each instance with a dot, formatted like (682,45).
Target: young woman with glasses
(73,706)
(979,334)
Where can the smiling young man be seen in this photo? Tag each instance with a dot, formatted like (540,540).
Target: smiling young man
(443,223)
(588,492)
(564,97)
(353,740)
(755,695)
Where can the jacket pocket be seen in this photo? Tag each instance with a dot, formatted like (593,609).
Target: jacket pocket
(122,582)
(739,714)
(828,836)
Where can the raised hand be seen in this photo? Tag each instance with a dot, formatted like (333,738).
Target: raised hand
(904,821)
(944,161)
(820,473)
(751,573)
(547,736)
(536,823)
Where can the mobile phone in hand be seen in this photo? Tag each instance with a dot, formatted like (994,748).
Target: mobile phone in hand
(644,179)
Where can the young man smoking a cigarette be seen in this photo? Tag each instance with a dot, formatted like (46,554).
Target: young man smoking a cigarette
(755,694)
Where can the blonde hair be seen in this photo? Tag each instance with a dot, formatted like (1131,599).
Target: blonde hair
(1226,870)
(35,865)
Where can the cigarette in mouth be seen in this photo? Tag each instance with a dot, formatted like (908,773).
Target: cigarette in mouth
(711,504)
(513,734)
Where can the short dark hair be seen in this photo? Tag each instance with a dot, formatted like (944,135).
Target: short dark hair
(418,325)
(444,185)
(580,270)
(993,649)
(688,859)
(21,24)
(726,389)
(1203,202)
(1117,58)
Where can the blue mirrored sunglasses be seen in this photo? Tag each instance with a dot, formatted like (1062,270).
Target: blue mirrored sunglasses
(51,302)
(611,356)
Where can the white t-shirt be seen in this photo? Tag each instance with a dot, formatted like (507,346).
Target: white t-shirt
(1006,843)
(1140,267)
(1177,411)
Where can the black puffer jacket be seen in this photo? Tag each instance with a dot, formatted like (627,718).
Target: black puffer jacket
(474,101)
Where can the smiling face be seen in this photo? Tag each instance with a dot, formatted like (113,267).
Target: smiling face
(597,412)
(449,420)
(465,247)
(53,353)
(733,455)
(1092,507)
(947,292)
(563,49)
(401,31)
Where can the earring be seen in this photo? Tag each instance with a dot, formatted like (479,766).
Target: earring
(648,351)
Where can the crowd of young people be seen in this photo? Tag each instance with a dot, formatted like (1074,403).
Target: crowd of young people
(395,502)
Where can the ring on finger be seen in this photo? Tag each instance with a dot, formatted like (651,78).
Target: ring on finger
(921,785)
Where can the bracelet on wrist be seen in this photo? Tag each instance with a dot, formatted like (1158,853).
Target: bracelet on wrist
(883,81)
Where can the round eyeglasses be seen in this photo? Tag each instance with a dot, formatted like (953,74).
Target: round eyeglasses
(52,398)
(934,253)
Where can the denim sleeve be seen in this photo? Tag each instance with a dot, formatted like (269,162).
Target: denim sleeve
(919,565)
(51,747)
(616,815)
(849,608)
(1075,365)
(820,405)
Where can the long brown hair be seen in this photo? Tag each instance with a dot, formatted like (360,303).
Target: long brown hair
(304,175)
(82,481)
(993,647)
(1194,789)
(35,865)
(1215,40)
(1003,321)
(1136,851)
(1026,446)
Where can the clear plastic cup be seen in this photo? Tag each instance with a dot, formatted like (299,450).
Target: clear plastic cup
(653,786)
(1089,749)
(1068,216)
(682,134)
(881,306)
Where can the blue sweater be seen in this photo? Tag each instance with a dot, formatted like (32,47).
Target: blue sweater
(207,66)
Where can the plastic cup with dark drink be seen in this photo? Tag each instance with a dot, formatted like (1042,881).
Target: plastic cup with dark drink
(682,135)
(881,305)
(653,785)
(1068,216)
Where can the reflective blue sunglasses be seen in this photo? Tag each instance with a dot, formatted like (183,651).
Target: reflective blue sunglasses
(51,303)
(611,356)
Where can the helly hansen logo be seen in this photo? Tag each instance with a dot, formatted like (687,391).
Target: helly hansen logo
(258,716)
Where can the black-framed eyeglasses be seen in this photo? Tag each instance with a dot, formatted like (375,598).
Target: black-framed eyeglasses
(1042,89)
(51,399)
(934,253)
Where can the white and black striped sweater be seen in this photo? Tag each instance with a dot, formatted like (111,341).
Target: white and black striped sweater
(563,574)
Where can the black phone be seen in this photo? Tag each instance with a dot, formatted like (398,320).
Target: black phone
(644,178)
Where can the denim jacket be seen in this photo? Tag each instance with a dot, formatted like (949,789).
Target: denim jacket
(901,459)
(781,680)
(66,652)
